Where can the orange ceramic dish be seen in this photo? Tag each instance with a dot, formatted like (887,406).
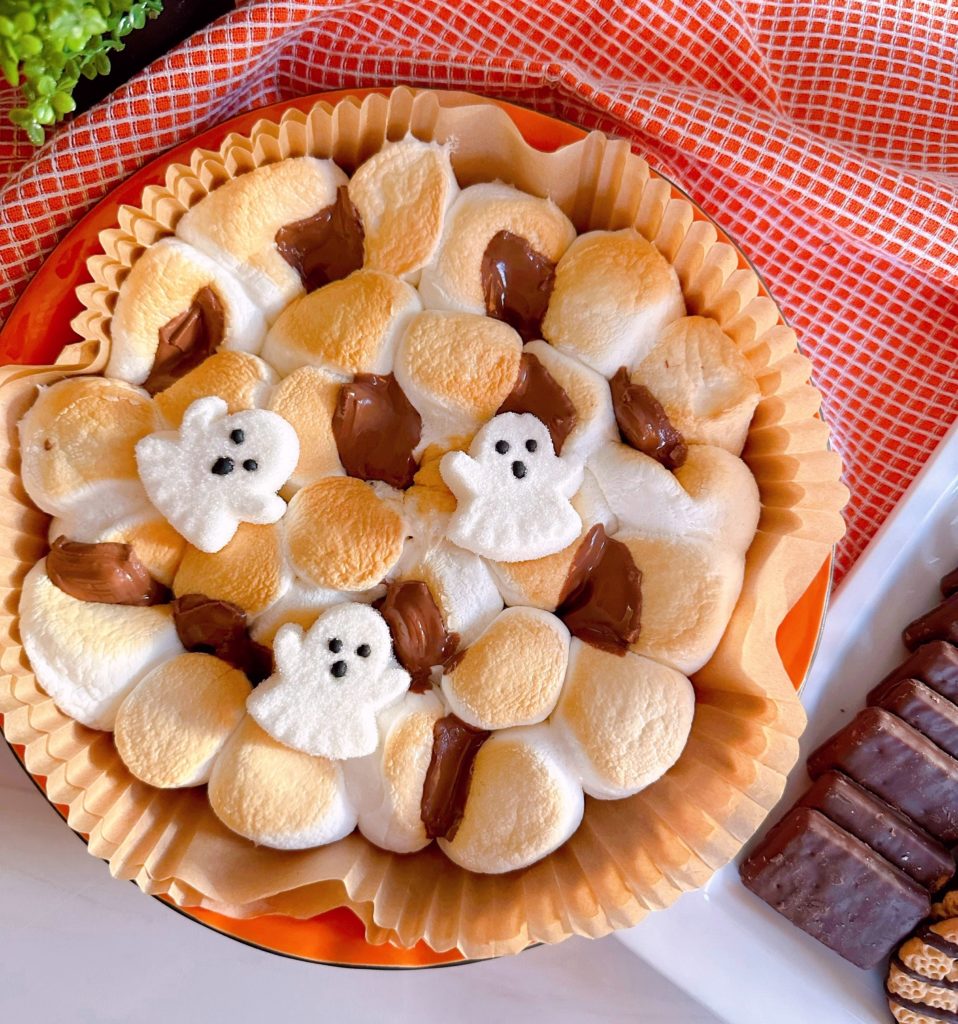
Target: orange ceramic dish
(39,327)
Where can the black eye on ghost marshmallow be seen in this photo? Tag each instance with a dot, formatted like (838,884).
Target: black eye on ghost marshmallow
(531,445)
(237,436)
(502,447)
(250,465)
(335,645)
(364,650)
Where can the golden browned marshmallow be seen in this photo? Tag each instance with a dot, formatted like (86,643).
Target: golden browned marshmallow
(173,724)
(307,399)
(453,280)
(523,803)
(342,535)
(161,287)
(512,674)
(614,293)
(77,445)
(402,194)
(386,786)
(250,571)
(236,224)
(241,380)
(456,369)
(704,383)
(346,327)
(276,796)
(689,590)
(157,546)
(624,720)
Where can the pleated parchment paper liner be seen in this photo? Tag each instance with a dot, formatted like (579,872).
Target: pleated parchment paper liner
(629,856)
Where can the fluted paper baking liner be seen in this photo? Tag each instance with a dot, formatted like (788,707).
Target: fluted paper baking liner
(629,856)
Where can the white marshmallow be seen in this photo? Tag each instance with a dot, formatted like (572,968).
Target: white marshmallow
(303,603)
(589,393)
(713,496)
(330,683)
(386,786)
(181,471)
(512,491)
(89,656)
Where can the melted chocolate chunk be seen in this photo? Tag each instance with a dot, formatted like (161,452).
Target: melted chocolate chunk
(325,247)
(186,340)
(949,583)
(601,601)
(536,391)
(940,623)
(102,573)
(218,627)
(517,283)
(376,429)
(644,424)
(420,639)
(446,787)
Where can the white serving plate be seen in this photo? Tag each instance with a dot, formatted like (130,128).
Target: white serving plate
(722,944)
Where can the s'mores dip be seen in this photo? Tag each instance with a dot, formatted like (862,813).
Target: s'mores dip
(405,520)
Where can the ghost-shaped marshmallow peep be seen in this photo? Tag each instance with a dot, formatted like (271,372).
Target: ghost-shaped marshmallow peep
(218,470)
(512,491)
(330,683)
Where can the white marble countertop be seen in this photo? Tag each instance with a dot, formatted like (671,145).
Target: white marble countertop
(70,934)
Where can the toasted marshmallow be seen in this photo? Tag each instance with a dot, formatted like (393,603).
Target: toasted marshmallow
(341,534)
(386,786)
(624,720)
(86,655)
(402,194)
(218,470)
(523,803)
(589,393)
(162,286)
(241,380)
(456,369)
(236,224)
(705,385)
(307,399)
(77,448)
(346,327)
(453,280)
(460,584)
(171,727)
(512,491)
(157,546)
(540,582)
(614,293)
(689,591)
(330,682)
(250,571)
(303,603)
(512,674)
(713,496)
(276,796)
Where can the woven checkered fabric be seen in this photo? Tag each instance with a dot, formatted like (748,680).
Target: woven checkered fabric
(822,136)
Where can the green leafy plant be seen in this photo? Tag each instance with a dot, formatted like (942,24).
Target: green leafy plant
(46,45)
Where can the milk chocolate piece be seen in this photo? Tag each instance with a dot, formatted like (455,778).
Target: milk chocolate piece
(897,763)
(888,832)
(186,340)
(940,623)
(517,283)
(215,627)
(536,391)
(104,573)
(325,247)
(446,787)
(376,429)
(601,600)
(644,424)
(834,887)
(949,583)
(934,664)
(923,709)
(420,639)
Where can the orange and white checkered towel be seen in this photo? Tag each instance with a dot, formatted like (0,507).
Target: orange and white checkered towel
(823,136)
